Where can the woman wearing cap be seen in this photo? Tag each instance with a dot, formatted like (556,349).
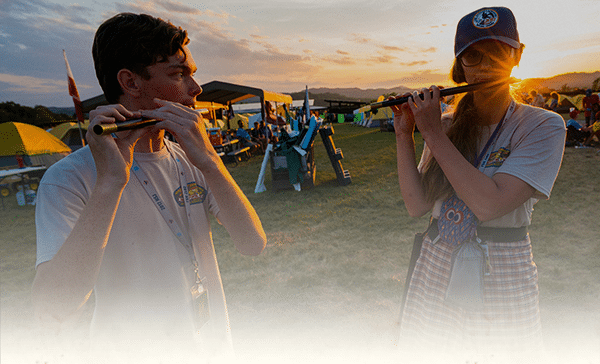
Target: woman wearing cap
(482,169)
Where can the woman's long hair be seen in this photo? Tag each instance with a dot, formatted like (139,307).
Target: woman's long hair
(464,132)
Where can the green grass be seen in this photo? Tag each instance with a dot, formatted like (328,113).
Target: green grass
(332,274)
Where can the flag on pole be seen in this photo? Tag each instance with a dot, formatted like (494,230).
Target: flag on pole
(75,95)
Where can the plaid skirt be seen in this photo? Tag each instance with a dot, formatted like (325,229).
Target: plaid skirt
(508,321)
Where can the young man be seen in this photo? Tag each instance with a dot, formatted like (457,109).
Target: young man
(258,138)
(244,136)
(265,133)
(127,216)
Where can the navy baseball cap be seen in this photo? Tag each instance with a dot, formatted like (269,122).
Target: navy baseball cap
(497,23)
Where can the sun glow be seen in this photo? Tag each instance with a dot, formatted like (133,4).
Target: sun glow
(527,69)
(521,73)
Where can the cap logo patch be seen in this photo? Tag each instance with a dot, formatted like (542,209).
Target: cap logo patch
(485,18)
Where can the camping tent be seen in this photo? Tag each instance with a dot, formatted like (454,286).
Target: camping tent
(68,133)
(571,101)
(29,145)
(565,103)
(375,118)
(209,110)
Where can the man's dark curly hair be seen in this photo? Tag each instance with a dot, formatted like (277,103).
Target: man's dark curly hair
(133,42)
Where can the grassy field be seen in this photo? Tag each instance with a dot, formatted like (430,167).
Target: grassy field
(329,284)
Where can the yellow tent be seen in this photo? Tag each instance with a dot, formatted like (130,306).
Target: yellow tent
(69,134)
(576,101)
(61,130)
(29,140)
(382,114)
(19,138)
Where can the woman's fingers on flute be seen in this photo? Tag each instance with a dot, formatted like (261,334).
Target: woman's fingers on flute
(415,98)
(435,92)
(426,95)
(395,108)
(398,107)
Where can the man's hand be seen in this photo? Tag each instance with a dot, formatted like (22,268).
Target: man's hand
(187,125)
(113,156)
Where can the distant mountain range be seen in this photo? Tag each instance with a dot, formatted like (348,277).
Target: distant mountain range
(564,82)
(348,94)
(567,81)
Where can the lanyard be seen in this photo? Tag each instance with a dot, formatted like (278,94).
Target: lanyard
(161,206)
(492,140)
(199,294)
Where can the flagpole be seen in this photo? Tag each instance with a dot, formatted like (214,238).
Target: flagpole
(307,106)
(76,100)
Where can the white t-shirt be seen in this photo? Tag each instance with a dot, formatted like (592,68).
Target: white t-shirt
(143,289)
(530,147)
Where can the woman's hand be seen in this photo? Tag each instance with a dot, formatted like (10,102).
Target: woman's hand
(404,120)
(426,110)
(409,176)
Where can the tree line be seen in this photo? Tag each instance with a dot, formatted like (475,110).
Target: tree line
(39,116)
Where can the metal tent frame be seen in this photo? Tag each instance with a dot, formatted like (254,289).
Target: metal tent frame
(228,93)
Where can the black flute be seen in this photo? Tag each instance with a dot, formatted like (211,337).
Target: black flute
(443,92)
(103,129)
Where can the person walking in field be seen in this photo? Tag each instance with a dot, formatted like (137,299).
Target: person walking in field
(127,217)
(484,166)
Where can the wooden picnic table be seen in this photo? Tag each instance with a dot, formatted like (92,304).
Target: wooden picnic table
(227,146)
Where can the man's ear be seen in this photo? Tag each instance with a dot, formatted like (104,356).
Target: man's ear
(129,82)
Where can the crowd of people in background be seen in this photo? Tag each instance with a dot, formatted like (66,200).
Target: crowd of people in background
(259,134)
(257,137)
(577,134)
(269,130)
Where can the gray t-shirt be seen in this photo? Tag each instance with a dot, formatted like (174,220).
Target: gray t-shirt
(530,147)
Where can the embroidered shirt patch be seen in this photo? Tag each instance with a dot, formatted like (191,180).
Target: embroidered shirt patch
(497,158)
(197,194)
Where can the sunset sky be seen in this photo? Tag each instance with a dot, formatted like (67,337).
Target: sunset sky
(284,46)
